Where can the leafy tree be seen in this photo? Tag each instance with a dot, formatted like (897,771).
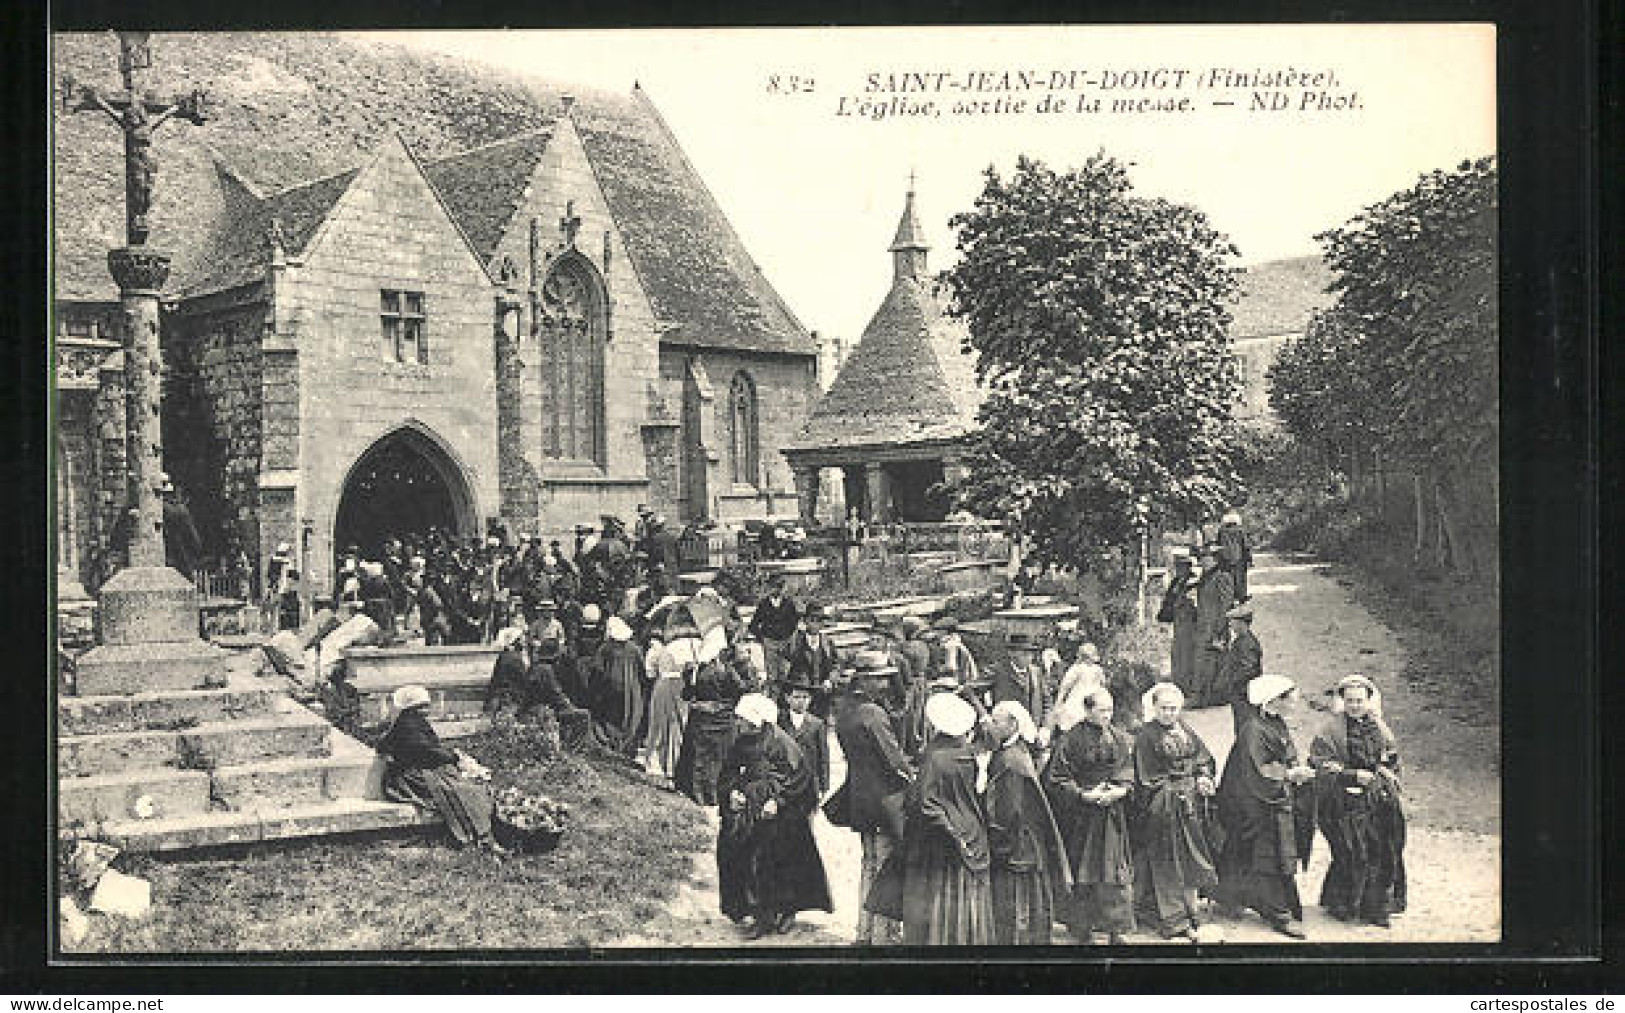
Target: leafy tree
(1404,364)
(1098,317)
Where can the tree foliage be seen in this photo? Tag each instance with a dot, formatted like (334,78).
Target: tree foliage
(1404,363)
(1098,316)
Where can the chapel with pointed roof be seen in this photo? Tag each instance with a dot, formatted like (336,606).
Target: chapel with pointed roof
(409,293)
(895,419)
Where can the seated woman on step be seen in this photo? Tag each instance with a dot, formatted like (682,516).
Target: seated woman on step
(424,772)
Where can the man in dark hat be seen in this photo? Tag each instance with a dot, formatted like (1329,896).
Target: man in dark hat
(182,546)
(1020,679)
(774,623)
(807,729)
(1179,610)
(1235,551)
(878,774)
(812,658)
(1243,662)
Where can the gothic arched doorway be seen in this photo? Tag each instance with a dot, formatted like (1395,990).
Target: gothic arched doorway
(405,484)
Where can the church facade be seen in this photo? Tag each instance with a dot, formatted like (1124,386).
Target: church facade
(528,333)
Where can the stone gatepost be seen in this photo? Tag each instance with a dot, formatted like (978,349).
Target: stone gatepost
(807,485)
(879,492)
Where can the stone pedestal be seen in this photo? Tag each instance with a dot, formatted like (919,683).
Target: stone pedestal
(149,637)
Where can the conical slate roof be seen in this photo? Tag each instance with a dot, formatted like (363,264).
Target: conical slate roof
(906,382)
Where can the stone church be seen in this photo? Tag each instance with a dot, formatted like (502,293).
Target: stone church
(406,293)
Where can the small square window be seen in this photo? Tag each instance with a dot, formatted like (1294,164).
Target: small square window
(403,326)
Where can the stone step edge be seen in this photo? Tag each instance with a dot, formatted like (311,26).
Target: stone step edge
(365,684)
(240,688)
(292,764)
(263,824)
(298,718)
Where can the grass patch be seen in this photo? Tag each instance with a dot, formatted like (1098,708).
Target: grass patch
(625,852)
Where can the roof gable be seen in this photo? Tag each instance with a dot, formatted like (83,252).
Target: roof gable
(484,187)
(694,268)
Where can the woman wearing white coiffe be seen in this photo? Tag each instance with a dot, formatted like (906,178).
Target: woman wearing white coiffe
(422,771)
(1359,807)
(1171,836)
(1260,799)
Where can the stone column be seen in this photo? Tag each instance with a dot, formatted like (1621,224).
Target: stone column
(140,273)
(807,483)
(879,493)
(149,614)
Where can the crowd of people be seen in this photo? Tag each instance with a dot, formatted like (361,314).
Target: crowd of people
(993,800)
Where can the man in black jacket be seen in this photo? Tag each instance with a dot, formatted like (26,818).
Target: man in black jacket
(870,803)
(774,623)
(1242,663)
(812,659)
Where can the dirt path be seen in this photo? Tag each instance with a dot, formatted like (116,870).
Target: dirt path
(1313,630)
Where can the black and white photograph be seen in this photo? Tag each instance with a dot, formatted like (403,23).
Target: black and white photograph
(842,489)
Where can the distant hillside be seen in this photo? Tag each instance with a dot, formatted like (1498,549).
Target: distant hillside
(288,108)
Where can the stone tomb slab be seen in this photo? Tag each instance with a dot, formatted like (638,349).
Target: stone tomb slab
(1034,621)
(455,676)
(126,669)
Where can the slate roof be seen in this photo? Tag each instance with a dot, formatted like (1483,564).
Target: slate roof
(907,381)
(1279,296)
(288,108)
(484,187)
(695,269)
(239,248)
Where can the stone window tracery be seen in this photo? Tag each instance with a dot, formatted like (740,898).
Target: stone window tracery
(570,328)
(746,442)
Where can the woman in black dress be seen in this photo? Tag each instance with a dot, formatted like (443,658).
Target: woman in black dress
(1359,807)
(423,772)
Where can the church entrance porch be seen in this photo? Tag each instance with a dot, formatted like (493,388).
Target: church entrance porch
(404,484)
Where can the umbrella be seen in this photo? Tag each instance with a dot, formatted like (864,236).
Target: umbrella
(709,613)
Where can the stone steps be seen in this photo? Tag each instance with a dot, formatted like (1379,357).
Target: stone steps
(297,780)
(175,710)
(205,746)
(271,823)
(102,798)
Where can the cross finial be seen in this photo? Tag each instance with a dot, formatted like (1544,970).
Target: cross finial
(911,179)
(570,224)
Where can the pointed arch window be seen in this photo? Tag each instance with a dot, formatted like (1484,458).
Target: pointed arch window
(570,329)
(742,410)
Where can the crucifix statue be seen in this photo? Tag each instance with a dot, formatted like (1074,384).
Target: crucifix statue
(140,273)
(137,115)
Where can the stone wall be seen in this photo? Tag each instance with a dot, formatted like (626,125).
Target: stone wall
(786,390)
(90,440)
(388,231)
(214,422)
(1254,357)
